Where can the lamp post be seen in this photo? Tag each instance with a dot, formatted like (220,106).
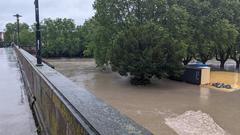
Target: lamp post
(18,38)
(38,35)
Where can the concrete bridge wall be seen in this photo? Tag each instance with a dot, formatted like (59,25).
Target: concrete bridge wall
(62,108)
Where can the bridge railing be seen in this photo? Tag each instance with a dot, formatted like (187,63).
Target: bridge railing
(63,108)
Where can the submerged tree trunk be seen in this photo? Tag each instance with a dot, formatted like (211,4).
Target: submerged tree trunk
(222,63)
(185,63)
(187,60)
(204,61)
(237,64)
(222,58)
(236,59)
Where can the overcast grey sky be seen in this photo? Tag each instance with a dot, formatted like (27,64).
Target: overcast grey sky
(79,10)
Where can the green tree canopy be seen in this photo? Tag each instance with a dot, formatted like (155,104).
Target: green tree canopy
(224,36)
(25,32)
(61,38)
(199,29)
(141,38)
(142,55)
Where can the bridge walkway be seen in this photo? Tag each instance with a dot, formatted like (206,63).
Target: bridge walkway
(15,114)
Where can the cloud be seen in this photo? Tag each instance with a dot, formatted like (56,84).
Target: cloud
(79,10)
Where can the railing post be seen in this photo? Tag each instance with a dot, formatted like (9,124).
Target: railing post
(38,36)
(18,27)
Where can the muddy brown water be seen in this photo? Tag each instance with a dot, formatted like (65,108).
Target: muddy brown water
(151,105)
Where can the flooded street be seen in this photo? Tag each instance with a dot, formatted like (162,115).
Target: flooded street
(165,107)
(15,114)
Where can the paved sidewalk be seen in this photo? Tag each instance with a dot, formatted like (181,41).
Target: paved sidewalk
(15,114)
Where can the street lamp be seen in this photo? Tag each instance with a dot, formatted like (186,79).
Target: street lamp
(18,38)
(38,35)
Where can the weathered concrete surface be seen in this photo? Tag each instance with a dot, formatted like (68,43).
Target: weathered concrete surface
(152,105)
(15,114)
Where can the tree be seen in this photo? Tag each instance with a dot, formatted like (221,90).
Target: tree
(226,12)
(61,38)
(235,53)
(89,33)
(10,32)
(201,44)
(108,22)
(224,37)
(26,34)
(27,37)
(235,19)
(137,38)
(203,16)
(178,22)
(112,16)
(139,52)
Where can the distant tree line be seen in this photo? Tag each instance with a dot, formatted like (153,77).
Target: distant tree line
(149,38)
(26,33)
(60,37)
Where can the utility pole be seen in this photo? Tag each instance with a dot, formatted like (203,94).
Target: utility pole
(18,37)
(38,35)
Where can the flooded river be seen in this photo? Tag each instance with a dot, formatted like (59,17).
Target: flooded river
(165,107)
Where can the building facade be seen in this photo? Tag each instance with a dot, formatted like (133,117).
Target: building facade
(1,36)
